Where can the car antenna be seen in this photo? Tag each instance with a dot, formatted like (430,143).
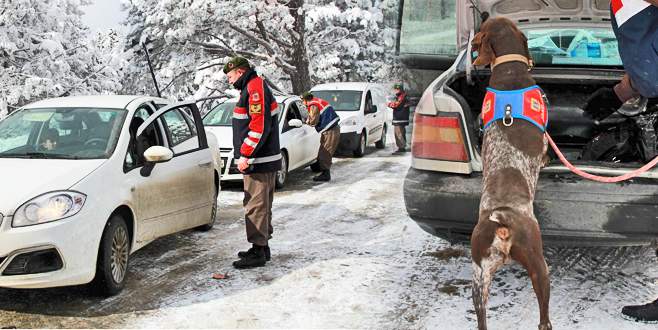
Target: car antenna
(148,59)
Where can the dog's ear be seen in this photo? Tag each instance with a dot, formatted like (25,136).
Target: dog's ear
(483,46)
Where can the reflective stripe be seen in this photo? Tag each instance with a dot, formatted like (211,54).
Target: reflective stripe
(255,135)
(330,125)
(262,160)
(240,116)
(626,9)
(275,112)
(250,143)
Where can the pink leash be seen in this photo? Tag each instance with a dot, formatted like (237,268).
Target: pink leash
(605,179)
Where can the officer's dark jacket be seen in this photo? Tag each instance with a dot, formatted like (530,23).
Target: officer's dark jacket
(635,23)
(255,125)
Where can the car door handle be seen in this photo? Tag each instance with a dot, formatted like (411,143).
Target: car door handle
(205,164)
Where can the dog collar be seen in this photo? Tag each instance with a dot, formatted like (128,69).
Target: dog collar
(512,58)
(528,104)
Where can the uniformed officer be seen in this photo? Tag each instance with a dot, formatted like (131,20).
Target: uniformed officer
(400,117)
(322,116)
(635,23)
(256,148)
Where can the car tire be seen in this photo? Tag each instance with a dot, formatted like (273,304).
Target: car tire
(213,215)
(282,174)
(381,144)
(113,257)
(361,148)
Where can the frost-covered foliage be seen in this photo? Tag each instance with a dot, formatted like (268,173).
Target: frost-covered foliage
(45,51)
(295,43)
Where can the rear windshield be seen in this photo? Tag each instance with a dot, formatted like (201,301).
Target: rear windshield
(573,46)
(341,100)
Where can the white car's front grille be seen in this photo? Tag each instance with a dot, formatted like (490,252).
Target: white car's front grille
(225,149)
(1,218)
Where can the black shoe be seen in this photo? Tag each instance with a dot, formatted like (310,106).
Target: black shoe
(253,259)
(244,254)
(315,167)
(642,313)
(323,177)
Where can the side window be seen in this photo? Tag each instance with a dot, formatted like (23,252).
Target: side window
(429,27)
(150,137)
(292,113)
(368,105)
(183,138)
(302,110)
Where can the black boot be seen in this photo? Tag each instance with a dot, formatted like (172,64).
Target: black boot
(243,254)
(642,313)
(254,259)
(323,177)
(315,167)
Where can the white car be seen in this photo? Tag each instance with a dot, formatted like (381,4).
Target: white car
(299,142)
(86,181)
(364,115)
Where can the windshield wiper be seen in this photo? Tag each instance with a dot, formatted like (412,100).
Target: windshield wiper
(38,155)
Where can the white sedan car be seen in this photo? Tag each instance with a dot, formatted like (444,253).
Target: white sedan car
(89,180)
(299,142)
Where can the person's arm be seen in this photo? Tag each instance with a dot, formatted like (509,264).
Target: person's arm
(313,115)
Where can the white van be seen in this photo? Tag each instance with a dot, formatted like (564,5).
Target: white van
(362,109)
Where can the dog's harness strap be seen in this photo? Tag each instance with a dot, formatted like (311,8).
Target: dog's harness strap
(511,58)
(528,104)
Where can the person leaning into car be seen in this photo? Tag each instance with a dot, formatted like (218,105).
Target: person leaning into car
(322,116)
(256,147)
(635,23)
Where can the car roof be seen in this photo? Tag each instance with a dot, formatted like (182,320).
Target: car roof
(350,86)
(91,101)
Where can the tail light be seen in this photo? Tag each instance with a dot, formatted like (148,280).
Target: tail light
(439,138)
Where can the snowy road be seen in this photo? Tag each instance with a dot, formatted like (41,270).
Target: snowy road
(345,255)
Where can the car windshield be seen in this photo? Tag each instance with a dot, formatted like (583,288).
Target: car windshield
(341,100)
(61,133)
(573,46)
(220,115)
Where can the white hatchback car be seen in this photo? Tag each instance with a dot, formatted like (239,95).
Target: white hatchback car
(299,142)
(89,180)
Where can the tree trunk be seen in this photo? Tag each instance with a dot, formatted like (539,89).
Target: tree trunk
(300,78)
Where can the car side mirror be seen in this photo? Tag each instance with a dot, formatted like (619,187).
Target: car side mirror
(154,155)
(295,123)
(374,108)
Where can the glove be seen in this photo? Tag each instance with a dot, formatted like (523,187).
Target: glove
(602,103)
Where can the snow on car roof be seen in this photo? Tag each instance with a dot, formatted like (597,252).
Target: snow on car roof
(91,101)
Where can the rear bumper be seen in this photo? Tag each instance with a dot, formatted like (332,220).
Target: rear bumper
(349,141)
(571,211)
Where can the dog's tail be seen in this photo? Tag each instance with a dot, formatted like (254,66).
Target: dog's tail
(505,218)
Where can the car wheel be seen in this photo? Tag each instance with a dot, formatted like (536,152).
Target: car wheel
(213,216)
(381,144)
(282,174)
(361,148)
(113,255)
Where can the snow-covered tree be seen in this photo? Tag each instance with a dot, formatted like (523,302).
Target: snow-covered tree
(45,51)
(295,43)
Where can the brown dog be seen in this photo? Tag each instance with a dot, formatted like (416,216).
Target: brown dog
(512,157)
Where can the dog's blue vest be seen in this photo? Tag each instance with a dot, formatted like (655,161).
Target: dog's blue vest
(527,104)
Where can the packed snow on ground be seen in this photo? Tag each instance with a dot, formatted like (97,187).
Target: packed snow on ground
(345,255)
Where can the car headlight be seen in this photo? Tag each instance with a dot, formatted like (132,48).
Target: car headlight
(49,207)
(349,122)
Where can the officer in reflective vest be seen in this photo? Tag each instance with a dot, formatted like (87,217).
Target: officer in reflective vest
(322,116)
(256,147)
(400,117)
